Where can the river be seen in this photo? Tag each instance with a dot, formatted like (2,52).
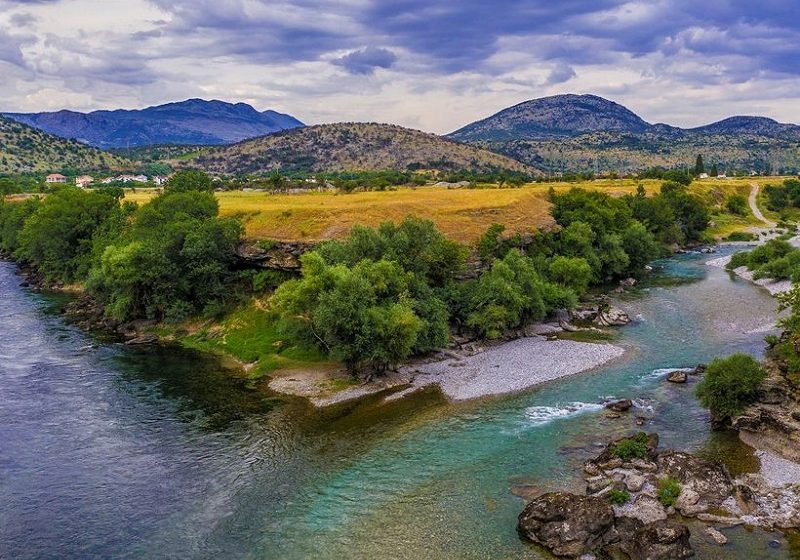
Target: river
(108,451)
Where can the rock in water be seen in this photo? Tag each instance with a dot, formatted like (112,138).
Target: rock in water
(677,377)
(662,540)
(611,316)
(716,536)
(622,405)
(567,524)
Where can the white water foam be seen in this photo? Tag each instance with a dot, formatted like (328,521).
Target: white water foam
(540,415)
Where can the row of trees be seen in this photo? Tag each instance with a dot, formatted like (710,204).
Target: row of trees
(169,259)
(372,299)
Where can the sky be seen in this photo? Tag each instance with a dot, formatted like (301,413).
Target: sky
(427,64)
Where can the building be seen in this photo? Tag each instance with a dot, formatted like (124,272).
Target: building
(159,180)
(55,178)
(84,181)
(703,176)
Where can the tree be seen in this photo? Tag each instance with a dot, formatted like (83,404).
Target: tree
(714,170)
(736,204)
(729,385)
(363,315)
(8,186)
(189,180)
(508,295)
(640,246)
(699,168)
(173,261)
(574,273)
(57,237)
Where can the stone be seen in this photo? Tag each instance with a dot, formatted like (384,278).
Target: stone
(610,316)
(142,339)
(716,536)
(567,524)
(635,482)
(596,484)
(643,508)
(662,540)
(677,377)
(710,479)
(622,405)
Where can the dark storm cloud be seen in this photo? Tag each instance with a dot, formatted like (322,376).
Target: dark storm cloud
(448,37)
(366,60)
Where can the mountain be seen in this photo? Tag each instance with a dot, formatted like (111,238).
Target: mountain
(589,133)
(24,149)
(194,121)
(756,126)
(351,147)
(559,115)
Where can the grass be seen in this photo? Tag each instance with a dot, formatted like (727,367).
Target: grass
(668,491)
(250,335)
(462,214)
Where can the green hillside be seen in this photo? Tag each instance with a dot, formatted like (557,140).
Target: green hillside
(28,150)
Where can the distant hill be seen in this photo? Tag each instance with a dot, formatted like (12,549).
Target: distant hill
(755,126)
(24,149)
(351,147)
(589,133)
(559,115)
(194,121)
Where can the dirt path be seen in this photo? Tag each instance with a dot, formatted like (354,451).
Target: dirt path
(754,188)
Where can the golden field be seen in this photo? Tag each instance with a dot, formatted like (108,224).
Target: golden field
(462,214)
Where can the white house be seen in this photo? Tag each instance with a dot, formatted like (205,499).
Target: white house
(703,176)
(55,178)
(84,181)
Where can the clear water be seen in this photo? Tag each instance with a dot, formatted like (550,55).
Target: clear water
(113,452)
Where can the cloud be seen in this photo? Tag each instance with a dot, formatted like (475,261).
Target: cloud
(366,60)
(450,62)
(560,74)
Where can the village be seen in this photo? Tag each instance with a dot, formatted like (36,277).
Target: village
(84,181)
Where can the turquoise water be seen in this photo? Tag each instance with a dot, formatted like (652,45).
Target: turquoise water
(111,452)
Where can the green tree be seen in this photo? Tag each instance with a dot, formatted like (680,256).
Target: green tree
(729,385)
(640,246)
(736,204)
(362,315)
(699,168)
(188,180)
(714,170)
(57,237)
(574,273)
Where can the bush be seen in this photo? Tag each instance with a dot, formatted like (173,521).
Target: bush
(730,384)
(736,204)
(632,448)
(619,497)
(741,236)
(668,491)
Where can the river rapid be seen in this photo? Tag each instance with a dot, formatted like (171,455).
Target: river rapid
(108,451)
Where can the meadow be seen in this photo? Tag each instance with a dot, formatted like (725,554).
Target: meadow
(462,214)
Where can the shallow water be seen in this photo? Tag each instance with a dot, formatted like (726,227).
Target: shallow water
(107,451)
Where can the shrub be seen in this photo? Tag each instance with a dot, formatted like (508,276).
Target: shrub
(632,448)
(736,204)
(668,491)
(741,236)
(619,497)
(730,384)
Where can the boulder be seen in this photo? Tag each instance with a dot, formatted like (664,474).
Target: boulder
(662,540)
(677,376)
(608,460)
(710,479)
(610,316)
(567,524)
(622,405)
(643,508)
